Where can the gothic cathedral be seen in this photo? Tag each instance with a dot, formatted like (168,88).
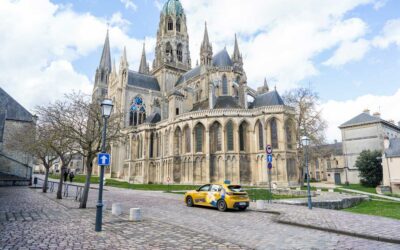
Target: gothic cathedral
(194,125)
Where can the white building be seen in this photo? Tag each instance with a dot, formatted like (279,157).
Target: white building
(364,132)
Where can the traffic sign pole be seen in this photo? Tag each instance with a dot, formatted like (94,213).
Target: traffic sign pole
(269,167)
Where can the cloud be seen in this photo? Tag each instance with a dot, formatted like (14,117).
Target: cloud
(348,52)
(129,4)
(338,112)
(40,41)
(389,35)
(276,41)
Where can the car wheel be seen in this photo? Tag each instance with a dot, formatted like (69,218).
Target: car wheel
(189,201)
(242,208)
(221,205)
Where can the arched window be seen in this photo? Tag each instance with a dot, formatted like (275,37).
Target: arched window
(166,143)
(215,138)
(137,113)
(199,130)
(229,135)
(289,136)
(242,136)
(260,137)
(179,52)
(178,25)
(274,133)
(187,139)
(224,85)
(170,24)
(168,52)
(151,145)
(177,141)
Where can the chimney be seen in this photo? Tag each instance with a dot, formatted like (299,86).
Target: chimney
(377,114)
(335,141)
(386,142)
(366,111)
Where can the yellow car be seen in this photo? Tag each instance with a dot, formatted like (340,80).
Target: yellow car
(222,196)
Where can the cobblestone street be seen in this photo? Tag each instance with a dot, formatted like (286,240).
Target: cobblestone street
(34,220)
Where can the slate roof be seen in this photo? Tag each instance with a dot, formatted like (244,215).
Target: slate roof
(143,81)
(271,98)
(153,118)
(189,75)
(394,148)
(365,118)
(201,106)
(10,109)
(334,148)
(226,102)
(176,92)
(222,59)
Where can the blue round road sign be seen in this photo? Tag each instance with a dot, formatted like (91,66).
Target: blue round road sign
(269,165)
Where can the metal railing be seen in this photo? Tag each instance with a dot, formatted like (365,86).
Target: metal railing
(51,186)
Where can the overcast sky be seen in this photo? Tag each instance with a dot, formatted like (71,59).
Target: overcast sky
(348,50)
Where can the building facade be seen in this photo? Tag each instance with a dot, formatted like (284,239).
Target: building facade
(327,163)
(391,165)
(194,125)
(364,132)
(14,118)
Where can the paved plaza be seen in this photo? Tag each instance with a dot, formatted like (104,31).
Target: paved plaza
(32,220)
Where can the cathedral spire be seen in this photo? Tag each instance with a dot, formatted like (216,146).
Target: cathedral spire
(124,59)
(266,87)
(206,52)
(237,56)
(105,61)
(144,68)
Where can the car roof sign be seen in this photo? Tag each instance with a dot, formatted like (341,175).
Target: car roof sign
(227,182)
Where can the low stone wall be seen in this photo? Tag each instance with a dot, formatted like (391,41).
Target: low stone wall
(288,191)
(328,201)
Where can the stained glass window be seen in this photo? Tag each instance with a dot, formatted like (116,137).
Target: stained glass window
(260,137)
(199,138)
(274,133)
(224,85)
(137,114)
(229,135)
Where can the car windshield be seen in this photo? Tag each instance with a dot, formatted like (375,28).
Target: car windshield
(236,188)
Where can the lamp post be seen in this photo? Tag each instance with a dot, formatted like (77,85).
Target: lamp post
(106,108)
(305,141)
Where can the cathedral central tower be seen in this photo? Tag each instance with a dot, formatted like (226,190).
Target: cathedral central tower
(172,48)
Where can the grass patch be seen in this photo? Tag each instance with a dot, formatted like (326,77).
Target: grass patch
(379,208)
(359,187)
(151,187)
(263,194)
(77,178)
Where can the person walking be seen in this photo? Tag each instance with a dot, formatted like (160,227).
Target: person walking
(65,176)
(71,176)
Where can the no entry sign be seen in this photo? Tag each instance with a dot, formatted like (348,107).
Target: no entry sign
(269,149)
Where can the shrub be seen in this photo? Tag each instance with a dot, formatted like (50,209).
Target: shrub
(369,163)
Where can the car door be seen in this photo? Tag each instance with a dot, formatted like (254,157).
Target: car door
(214,195)
(201,195)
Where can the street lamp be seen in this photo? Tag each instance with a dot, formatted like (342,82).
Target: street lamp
(305,141)
(106,108)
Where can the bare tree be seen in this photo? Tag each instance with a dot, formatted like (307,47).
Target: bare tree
(309,120)
(81,122)
(59,141)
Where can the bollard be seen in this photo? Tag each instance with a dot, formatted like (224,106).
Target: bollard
(260,204)
(135,214)
(116,209)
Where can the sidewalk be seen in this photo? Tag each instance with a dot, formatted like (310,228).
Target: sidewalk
(341,222)
(370,194)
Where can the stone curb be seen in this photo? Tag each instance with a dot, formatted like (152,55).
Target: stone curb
(330,230)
